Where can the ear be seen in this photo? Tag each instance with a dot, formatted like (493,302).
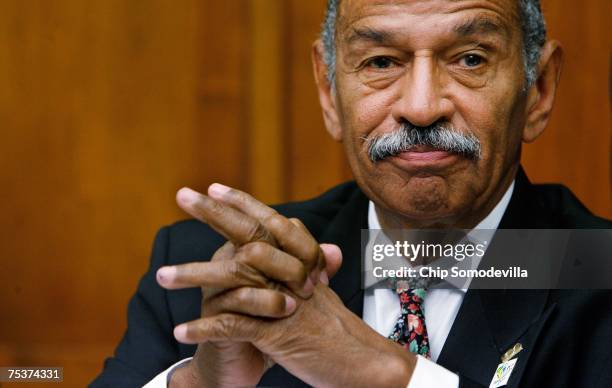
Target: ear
(541,95)
(327,96)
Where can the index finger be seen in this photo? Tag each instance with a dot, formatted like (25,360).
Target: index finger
(233,224)
(240,200)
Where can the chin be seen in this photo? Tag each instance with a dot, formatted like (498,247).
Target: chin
(431,215)
(423,200)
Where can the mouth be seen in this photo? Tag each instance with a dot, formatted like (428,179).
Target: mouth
(424,154)
(424,157)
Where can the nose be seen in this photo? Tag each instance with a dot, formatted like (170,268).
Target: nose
(420,100)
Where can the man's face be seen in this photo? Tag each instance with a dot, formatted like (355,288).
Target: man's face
(418,63)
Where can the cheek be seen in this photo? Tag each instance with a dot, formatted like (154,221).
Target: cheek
(491,117)
(362,112)
(365,111)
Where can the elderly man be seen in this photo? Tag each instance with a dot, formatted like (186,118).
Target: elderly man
(431,101)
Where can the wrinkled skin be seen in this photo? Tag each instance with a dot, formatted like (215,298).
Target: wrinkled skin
(458,62)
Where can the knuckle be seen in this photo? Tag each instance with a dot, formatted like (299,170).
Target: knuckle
(244,295)
(235,269)
(227,250)
(215,208)
(241,196)
(223,326)
(243,274)
(297,222)
(255,232)
(256,250)
(276,222)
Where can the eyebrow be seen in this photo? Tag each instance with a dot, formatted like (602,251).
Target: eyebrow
(369,34)
(480,25)
(477,25)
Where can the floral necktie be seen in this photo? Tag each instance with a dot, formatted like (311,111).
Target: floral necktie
(410,330)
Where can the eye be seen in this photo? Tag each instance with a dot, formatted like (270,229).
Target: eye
(379,62)
(472,60)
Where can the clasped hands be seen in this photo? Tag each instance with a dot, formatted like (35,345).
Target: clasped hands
(265,300)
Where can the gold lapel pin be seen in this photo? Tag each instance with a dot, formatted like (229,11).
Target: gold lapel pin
(513,351)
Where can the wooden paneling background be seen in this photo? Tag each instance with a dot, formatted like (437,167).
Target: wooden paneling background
(108,107)
(575,148)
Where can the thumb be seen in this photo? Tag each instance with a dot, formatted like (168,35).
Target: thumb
(333,261)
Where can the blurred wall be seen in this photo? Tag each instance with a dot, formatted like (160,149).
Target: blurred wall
(108,107)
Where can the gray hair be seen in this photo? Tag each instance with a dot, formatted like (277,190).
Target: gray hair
(439,136)
(533,29)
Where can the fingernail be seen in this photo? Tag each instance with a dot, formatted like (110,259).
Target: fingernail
(323,278)
(289,304)
(217,190)
(165,274)
(180,333)
(186,196)
(308,286)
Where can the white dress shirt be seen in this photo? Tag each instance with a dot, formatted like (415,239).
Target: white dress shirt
(381,309)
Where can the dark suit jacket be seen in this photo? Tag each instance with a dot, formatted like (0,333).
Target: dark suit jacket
(566,334)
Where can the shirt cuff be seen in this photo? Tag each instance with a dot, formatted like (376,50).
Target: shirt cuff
(426,374)
(163,379)
(429,374)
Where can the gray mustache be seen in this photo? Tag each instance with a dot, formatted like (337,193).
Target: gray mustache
(438,136)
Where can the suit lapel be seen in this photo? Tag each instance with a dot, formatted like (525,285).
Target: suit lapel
(490,322)
(345,231)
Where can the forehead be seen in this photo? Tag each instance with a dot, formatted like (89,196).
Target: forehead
(432,13)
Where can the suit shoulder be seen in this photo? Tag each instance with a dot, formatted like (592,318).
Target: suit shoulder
(191,240)
(567,208)
(324,206)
